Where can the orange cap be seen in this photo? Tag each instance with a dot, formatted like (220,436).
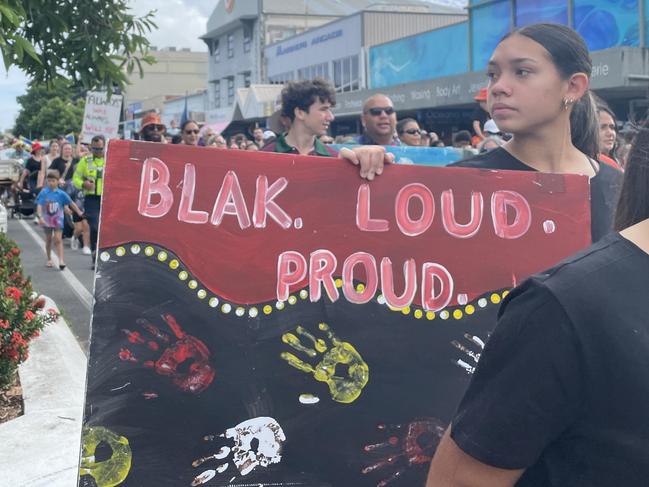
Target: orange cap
(482,95)
(151,118)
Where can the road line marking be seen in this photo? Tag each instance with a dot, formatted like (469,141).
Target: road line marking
(75,284)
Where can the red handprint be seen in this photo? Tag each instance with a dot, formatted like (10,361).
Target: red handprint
(187,348)
(407,446)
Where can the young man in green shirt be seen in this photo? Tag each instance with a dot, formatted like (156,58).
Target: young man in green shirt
(307,104)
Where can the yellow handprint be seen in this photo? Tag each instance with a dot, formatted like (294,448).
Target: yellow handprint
(343,389)
(113,471)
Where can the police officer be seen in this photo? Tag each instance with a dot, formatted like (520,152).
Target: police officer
(89,177)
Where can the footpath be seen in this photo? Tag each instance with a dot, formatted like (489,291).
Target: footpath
(41,448)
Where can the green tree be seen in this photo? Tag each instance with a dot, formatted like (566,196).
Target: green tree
(58,117)
(88,42)
(36,98)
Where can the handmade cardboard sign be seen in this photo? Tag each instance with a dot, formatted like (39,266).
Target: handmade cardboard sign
(266,319)
(101,115)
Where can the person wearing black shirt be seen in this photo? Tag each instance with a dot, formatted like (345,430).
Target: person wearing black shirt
(480,114)
(538,92)
(65,163)
(559,397)
(33,171)
(604,186)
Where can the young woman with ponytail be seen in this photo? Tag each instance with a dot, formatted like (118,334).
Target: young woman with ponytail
(538,92)
(560,395)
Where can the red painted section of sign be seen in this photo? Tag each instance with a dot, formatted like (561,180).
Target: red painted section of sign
(485,228)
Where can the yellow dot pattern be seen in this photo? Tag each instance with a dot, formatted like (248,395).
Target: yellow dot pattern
(163,256)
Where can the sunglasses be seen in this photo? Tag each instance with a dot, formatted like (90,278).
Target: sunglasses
(97,149)
(412,131)
(192,131)
(154,126)
(376,112)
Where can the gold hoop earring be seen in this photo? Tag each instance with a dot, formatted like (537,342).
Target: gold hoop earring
(567,102)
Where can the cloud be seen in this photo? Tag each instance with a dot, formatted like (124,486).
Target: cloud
(180,22)
(12,84)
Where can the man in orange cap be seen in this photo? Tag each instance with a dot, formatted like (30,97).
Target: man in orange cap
(152,128)
(480,115)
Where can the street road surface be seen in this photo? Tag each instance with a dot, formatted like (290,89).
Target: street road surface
(71,289)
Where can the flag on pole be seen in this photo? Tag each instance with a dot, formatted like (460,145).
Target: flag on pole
(70,137)
(26,142)
(185,116)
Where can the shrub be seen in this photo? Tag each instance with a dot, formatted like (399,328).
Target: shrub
(22,316)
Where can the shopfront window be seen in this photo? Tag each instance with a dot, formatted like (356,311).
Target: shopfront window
(607,23)
(216,94)
(216,50)
(230,91)
(346,74)
(230,45)
(247,38)
(489,24)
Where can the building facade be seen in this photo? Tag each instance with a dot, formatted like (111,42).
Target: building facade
(176,72)
(337,51)
(437,86)
(238,32)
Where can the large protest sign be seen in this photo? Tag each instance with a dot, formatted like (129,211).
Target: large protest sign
(266,319)
(101,115)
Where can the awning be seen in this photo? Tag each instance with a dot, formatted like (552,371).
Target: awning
(217,127)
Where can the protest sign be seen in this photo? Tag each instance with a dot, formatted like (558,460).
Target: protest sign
(424,156)
(269,319)
(101,115)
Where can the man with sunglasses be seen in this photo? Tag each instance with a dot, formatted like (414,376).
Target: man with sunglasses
(89,178)
(152,128)
(379,121)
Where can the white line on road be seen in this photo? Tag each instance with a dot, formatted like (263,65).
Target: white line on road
(75,284)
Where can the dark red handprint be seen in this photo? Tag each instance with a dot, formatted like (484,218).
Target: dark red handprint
(408,445)
(186,348)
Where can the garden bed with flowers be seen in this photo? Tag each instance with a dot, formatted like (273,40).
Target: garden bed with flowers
(22,317)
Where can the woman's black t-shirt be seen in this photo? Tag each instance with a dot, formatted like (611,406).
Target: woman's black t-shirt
(59,164)
(604,186)
(560,389)
(34,167)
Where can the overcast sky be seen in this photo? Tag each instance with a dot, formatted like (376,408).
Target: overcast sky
(180,23)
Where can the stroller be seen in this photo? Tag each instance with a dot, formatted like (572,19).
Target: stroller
(25,205)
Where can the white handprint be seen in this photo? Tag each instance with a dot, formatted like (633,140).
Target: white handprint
(474,356)
(270,438)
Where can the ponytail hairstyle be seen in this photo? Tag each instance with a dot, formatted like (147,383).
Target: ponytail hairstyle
(569,54)
(633,206)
